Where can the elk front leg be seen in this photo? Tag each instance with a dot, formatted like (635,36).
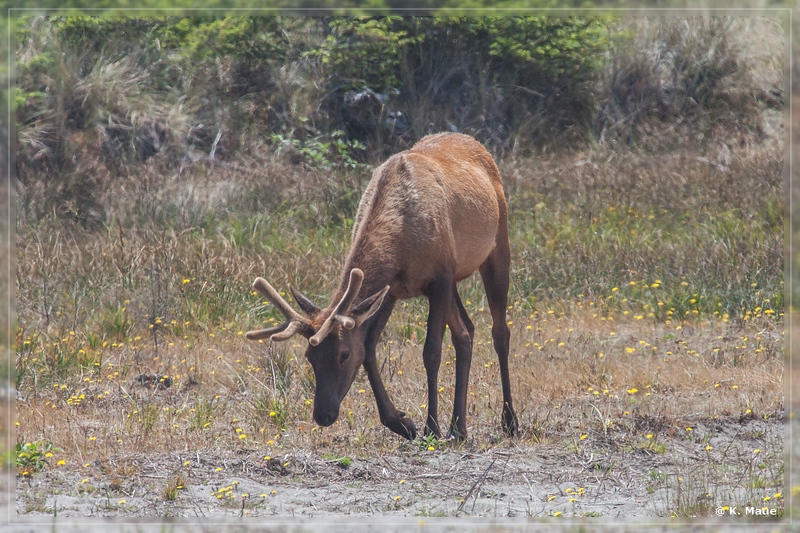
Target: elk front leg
(461,332)
(390,417)
(440,297)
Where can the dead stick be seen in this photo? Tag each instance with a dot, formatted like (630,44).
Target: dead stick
(472,488)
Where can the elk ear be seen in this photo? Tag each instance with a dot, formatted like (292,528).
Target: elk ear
(304,303)
(366,308)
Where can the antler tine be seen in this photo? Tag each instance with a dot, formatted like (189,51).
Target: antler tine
(339,311)
(266,333)
(294,321)
(293,327)
(353,286)
(263,286)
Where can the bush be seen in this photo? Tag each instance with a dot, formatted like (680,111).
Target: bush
(497,78)
(699,76)
(104,99)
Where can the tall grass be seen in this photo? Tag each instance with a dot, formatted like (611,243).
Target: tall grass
(647,277)
(133,111)
(670,236)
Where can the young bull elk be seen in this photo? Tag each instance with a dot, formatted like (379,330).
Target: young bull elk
(430,217)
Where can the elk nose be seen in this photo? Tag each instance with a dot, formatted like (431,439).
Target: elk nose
(326,419)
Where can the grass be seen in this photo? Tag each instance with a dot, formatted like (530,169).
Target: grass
(646,309)
(628,326)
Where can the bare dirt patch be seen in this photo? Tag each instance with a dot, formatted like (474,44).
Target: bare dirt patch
(600,478)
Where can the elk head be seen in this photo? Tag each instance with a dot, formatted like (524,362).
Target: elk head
(335,339)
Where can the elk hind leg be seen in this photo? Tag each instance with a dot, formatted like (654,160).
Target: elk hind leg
(461,332)
(495,274)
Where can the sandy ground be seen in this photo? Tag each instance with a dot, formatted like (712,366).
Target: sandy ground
(502,488)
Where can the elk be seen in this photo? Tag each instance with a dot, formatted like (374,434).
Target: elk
(429,217)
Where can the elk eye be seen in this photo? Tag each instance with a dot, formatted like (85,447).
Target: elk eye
(343,357)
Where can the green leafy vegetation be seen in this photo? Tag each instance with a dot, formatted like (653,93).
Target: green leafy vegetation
(33,457)
(164,163)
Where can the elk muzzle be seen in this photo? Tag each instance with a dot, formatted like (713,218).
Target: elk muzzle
(325,413)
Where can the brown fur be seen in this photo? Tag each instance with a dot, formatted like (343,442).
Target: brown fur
(433,207)
(429,218)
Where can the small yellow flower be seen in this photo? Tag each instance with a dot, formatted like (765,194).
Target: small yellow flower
(242,436)
(633,390)
(123,502)
(649,436)
(584,436)
(557,513)
(62,462)
(551,497)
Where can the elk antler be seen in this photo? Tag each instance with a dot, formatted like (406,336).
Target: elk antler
(294,322)
(339,313)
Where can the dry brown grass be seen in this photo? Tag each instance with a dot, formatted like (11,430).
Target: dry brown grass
(636,395)
(598,366)
(606,375)
(647,298)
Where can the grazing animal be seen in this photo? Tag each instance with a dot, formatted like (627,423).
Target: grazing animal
(429,218)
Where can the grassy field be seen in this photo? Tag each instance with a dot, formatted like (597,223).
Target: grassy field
(646,314)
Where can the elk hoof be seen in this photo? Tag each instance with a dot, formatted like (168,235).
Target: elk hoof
(403,426)
(510,422)
(456,436)
(432,429)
